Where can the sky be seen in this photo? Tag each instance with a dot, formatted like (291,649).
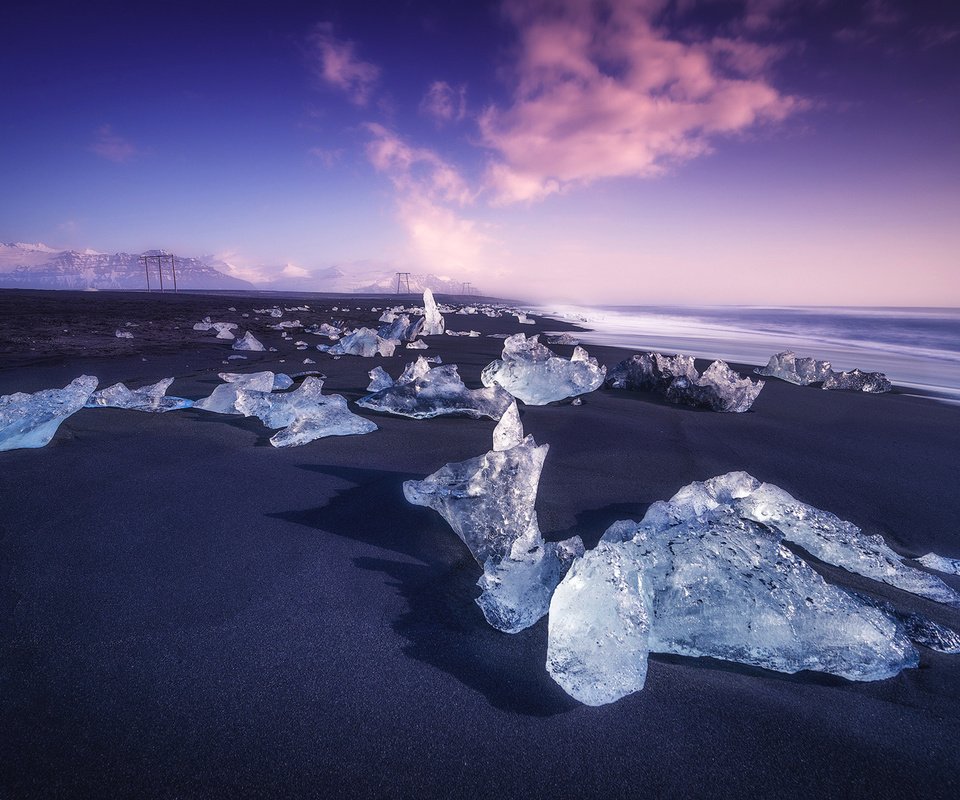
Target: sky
(752,151)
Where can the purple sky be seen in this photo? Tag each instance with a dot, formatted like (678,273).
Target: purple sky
(765,151)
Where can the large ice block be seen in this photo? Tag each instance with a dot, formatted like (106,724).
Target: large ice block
(152,398)
(421,392)
(489,502)
(223,399)
(248,342)
(362,342)
(800,371)
(949,565)
(675,377)
(304,414)
(433,323)
(533,373)
(401,329)
(30,420)
(857,381)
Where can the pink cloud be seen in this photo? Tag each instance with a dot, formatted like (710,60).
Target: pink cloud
(110,145)
(430,194)
(611,95)
(337,65)
(444,103)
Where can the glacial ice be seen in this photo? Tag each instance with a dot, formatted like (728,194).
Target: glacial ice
(563,338)
(489,502)
(417,345)
(150,398)
(675,377)
(121,334)
(710,570)
(31,420)
(304,414)
(857,381)
(401,329)
(248,342)
(509,430)
(800,371)
(534,374)
(941,564)
(362,342)
(433,323)
(223,399)
(421,392)
(599,627)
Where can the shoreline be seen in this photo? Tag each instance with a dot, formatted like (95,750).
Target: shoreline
(188,611)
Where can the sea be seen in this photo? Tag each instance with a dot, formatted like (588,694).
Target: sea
(917,348)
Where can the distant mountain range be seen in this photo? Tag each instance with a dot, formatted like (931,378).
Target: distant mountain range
(37,266)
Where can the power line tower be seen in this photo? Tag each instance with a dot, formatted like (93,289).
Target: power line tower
(160,259)
(466,288)
(404,279)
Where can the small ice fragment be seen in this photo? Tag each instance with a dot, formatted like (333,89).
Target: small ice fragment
(30,420)
(122,334)
(941,564)
(362,342)
(857,381)
(223,399)
(248,342)
(417,345)
(800,371)
(150,398)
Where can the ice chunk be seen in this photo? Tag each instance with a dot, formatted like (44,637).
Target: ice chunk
(31,420)
(433,323)
(800,371)
(421,392)
(223,399)
(918,628)
(857,381)
(534,374)
(122,334)
(387,316)
(509,430)
(280,380)
(150,398)
(599,627)
(304,414)
(401,329)
(360,342)
(417,345)
(949,565)
(563,338)
(676,378)
(489,502)
(248,342)
(379,379)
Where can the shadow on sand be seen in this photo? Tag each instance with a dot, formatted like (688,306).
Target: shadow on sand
(437,578)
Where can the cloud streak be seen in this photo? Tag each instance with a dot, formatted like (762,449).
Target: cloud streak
(112,146)
(602,92)
(337,65)
(444,103)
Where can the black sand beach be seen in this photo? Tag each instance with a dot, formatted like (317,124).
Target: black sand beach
(187,612)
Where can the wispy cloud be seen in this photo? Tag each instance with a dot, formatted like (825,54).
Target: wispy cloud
(108,144)
(445,103)
(603,93)
(326,156)
(337,65)
(431,194)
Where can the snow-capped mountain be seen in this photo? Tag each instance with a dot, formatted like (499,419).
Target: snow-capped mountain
(36,266)
(367,279)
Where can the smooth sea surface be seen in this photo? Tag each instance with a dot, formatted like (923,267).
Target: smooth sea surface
(917,348)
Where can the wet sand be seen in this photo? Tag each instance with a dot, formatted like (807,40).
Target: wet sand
(186,611)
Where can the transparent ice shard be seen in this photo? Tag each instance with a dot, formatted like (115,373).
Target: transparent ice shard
(304,414)
(800,371)
(150,398)
(533,373)
(433,323)
(401,329)
(421,392)
(857,381)
(248,342)
(121,334)
(362,342)
(949,565)
(918,628)
(599,627)
(509,430)
(223,399)
(676,378)
(31,419)
(489,502)
(562,338)
(417,345)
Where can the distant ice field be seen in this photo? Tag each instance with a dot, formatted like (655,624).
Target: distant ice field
(917,348)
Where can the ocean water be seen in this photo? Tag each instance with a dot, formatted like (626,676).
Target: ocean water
(917,348)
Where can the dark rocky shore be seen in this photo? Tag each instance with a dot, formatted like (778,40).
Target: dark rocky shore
(186,611)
